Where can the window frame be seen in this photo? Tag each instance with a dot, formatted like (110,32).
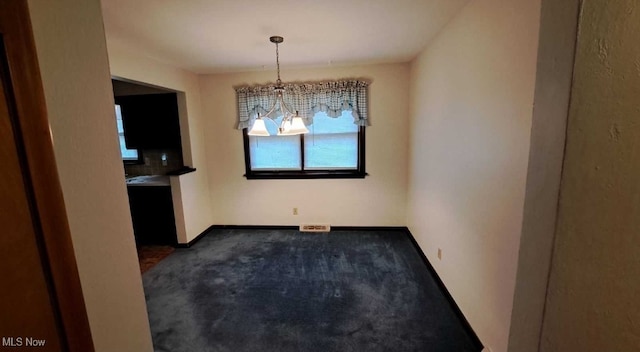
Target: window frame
(140,159)
(359,172)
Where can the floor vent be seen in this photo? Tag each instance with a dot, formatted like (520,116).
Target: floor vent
(315,228)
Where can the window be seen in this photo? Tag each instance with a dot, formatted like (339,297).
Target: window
(336,114)
(128,155)
(333,148)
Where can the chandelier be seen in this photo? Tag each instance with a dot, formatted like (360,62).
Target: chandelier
(291,122)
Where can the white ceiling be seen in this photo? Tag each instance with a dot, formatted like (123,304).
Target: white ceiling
(208,36)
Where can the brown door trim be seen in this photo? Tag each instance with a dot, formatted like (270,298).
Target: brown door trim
(41,172)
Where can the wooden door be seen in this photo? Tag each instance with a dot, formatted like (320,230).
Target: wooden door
(41,303)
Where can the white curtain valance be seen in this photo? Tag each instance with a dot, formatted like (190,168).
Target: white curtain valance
(331,98)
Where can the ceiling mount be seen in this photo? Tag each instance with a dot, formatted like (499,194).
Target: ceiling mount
(276,39)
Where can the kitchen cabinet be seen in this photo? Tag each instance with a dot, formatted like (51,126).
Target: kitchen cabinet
(152,214)
(150,121)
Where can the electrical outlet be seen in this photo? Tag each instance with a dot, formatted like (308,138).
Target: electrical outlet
(295,211)
(439,254)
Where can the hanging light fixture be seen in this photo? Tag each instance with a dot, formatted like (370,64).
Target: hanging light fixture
(292,123)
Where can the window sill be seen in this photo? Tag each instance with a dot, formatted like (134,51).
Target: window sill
(301,175)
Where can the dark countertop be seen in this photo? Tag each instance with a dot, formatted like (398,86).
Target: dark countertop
(151,180)
(181,171)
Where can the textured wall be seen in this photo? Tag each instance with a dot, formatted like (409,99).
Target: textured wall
(377,200)
(472,95)
(558,26)
(593,300)
(73,60)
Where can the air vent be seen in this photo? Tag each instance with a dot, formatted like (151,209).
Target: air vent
(315,228)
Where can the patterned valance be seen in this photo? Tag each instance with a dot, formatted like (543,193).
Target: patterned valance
(307,98)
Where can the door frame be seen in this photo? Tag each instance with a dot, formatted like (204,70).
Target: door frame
(41,176)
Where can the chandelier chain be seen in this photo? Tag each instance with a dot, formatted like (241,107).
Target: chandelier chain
(278,64)
(291,123)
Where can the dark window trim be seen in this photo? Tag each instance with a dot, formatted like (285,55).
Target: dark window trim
(306,174)
(138,161)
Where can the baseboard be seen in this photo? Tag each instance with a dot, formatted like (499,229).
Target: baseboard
(296,227)
(286,227)
(443,288)
(256,227)
(248,227)
(196,239)
(368,228)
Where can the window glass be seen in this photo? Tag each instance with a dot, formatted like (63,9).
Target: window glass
(332,149)
(332,143)
(127,154)
(275,152)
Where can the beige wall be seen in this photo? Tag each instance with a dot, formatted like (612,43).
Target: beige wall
(377,200)
(472,95)
(75,73)
(593,294)
(196,212)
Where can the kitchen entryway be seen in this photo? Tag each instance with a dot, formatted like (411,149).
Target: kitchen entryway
(150,145)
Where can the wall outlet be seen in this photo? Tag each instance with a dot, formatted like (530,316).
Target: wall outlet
(295,211)
(439,254)
(147,160)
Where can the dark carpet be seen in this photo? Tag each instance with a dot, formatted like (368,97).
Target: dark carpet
(282,290)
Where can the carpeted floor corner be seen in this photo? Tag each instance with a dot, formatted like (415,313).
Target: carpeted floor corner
(282,290)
